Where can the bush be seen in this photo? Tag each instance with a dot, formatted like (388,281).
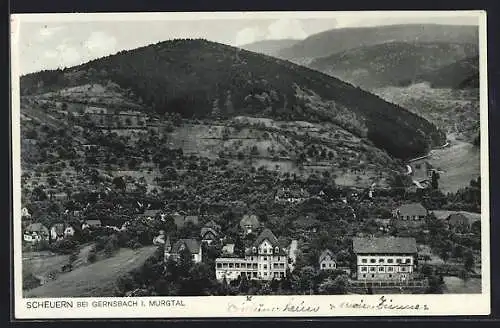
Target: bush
(30,281)
(92,256)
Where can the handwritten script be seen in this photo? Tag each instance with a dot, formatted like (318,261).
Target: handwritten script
(297,306)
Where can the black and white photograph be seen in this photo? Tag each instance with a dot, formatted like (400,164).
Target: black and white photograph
(169,157)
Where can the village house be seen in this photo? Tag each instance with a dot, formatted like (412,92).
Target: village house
(291,195)
(228,249)
(174,250)
(264,260)
(307,224)
(410,213)
(385,258)
(461,220)
(25,214)
(36,232)
(249,224)
(327,260)
(57,231)
(88,224)
(160,239)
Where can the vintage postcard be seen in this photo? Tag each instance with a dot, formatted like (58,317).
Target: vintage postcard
(250,164)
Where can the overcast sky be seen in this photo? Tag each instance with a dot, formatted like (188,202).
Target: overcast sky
(64,42)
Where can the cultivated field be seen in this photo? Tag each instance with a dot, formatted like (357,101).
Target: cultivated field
(458,165)
(94,280)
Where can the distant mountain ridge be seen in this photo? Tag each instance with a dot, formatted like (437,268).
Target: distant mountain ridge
(269,47)
(337,40)
(390,63)
(198,78)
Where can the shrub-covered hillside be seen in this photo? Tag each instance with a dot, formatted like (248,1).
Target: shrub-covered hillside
(390,63)
(198,78)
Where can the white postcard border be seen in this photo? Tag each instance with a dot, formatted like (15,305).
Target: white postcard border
(255,306)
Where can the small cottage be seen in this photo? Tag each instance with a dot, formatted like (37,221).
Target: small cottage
(174,250)
(36,232)
(327,260)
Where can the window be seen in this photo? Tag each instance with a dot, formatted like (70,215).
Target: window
(372,269)
(363,261)
(277,250)
(372,261)
(282,275)
(219,265)
(390,269)
(403,269)
(279,258)
(323,265)
(231,265)
(237,265)
(254,249)
(390,275)
(363,269)
(390,260)
(381,269)
(364,276)
(265,266)
(265,258)
(373,276)
(224,265)
(255,274)
(398,261)
(381,261)
(265,274)
(403,261)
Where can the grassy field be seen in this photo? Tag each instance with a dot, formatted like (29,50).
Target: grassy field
(459,164)
(94,280)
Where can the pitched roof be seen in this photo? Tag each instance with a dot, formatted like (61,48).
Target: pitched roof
(392,245)
(206,230)
(269,235)
(412,209)
(91,222)
(191,244)
(250,220)
(212,224)
(37,227)
(462,217)
(326,253)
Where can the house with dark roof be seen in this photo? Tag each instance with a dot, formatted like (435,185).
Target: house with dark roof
(208,235)
(327,261)
(36,232)
(462,220)
(174,250)
(57,231)
(249,223)
(385,258)
(410,213)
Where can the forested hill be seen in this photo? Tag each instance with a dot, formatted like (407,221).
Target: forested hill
(389,63)
(462,74)
(198,78)
(337,40)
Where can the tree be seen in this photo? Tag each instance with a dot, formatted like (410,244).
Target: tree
(468,261)
(434,180)
(335,286)
(185,262)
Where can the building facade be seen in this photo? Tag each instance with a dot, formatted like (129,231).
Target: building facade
(327,260)
(175,250)
(266,259)
(385,259)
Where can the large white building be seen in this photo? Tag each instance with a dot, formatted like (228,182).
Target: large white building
(385,259)
(264,260)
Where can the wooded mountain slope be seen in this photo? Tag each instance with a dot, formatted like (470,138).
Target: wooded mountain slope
(198,78)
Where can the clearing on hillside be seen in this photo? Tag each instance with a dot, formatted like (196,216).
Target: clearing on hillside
(95,280)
